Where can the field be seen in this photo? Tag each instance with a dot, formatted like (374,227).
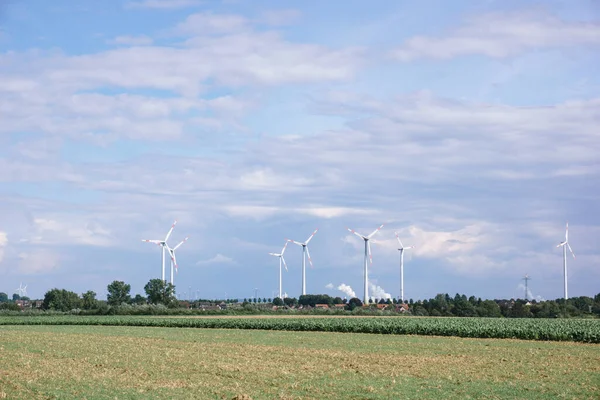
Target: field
(98,362)
(578,330)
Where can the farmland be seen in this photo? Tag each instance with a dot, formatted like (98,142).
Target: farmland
(153,362)
(578,330)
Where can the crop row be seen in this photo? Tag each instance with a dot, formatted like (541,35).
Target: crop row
(578,330)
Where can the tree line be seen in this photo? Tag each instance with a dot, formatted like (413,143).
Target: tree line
(162,294)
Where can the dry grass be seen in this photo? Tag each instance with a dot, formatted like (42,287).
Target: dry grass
(132,362)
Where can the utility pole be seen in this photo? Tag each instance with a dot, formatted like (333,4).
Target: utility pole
(526,279)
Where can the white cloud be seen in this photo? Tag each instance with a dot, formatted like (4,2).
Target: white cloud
(3,242)
(377,292)
(329,286)
(501,35)
(140,40)
(208,23)
(71,232)
(217,259)
(39,261)
(163,4)
(279,17)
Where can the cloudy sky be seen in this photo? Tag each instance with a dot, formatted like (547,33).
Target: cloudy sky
(471,128)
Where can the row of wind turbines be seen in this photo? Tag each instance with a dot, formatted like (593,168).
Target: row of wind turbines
(306,252)
(368,258)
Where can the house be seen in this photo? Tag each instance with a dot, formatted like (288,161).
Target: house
(402,308)
(322,306)
(339,306)
(382,306)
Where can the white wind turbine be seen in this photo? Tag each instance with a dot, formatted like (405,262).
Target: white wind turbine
(367,253)
(22,290)
(305,252)
(162,243)
(564,245)
(401,250)
(281,259)
(173,258)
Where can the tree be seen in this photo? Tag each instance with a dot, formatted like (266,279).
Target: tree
(16,297)
(160,292)
(118,293)
(290,301)
(89,300)
(139,299)
(338,300)
(353,303)
(269,300)
(3,297)
(277,302)
(61,300)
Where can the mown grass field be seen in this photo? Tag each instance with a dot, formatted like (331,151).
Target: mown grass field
(101,362)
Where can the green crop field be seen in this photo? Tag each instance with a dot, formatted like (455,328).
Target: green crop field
(108,362)
(579,330)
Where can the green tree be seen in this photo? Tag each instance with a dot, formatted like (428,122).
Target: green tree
(353,303)
(290,301)
(160,292)
(89,300)
(61,300)
(277,302)
(118,293)
(16,297)
(139,299)
(3,297)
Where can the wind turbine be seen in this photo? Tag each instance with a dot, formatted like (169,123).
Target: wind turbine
(401,249)
(281,259)
(162,243)
(22,290)
(173,258)
(304,253)
(367,252)
(564,245)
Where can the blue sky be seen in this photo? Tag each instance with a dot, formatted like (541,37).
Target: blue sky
(469,128)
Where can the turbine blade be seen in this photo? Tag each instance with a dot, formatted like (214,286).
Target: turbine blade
(561,244)
(174,260)
(182,242)
(311,236)
(151,241)
(170,230)
(567,233)
(356,233)
(375,231)
(274,254)
(568,245)
(399,241)
(309,259)
(284,246)
(284,264)
(293,241)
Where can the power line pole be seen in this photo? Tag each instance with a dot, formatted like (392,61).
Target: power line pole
(526,279)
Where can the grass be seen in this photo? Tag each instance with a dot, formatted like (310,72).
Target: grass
(101,362)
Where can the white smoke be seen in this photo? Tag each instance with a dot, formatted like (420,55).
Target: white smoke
(377,292)
(347,290)
(329,286)
(530,295)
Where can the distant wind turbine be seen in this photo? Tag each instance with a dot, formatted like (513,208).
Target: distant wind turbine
(305,252)
(281,259)
(162,243)
(564,245)
(173,258)
(401,249)
(367,253)
(22,290)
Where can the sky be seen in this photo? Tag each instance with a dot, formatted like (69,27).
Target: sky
(470,128)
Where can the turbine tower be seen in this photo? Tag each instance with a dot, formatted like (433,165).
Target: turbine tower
(564,245)
(304,253)
(367,253)
(401,250)
(173,258)
(526,278)
(162,243)
(281,259)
